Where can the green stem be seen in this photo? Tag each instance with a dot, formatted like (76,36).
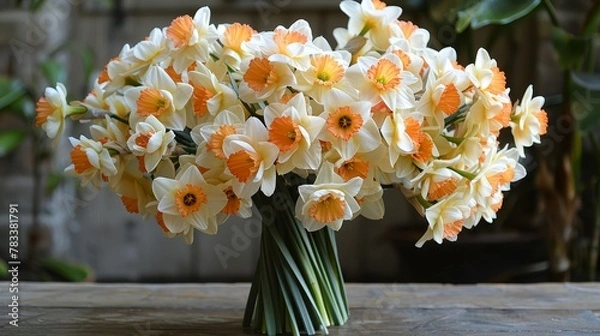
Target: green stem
(552,13)
(71,110)
(426,204)
(113,152)
(298,286)
(463,173)
(454,140)
(116,117)
(592,20)
(364,30)
(458,116)
(590,27)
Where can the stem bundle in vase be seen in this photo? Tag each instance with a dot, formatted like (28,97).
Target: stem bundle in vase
(198,122)
(298,285)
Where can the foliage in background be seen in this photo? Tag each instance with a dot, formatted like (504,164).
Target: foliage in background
(18,98)
(560,178)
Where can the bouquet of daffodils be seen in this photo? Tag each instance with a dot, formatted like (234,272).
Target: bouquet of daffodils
(195,122)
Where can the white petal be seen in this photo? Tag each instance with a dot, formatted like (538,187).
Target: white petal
(326,174)
(177,121)
(268,183)
(167,206)
(151,160)
(191,176)
(158,78)
(155,142)
(182,95)
(161,186)
(174,223)
(368,136)
(351,8)
(256,130)
(427,236)
(202,16)
(353,186)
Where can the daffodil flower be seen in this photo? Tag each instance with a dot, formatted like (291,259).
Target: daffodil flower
(190,39)
(152,141)
(371,18)
(90,161)
(292,46)
(529,121)
(160,97)
(209,95)
(384,79)
(52,109)
(326,73)
(234,38)
(446,219)
(485,74)
(329,201)
(251,159)
(188,202)
(212,136)
(264,80)
(349,126)
(151,51)
(295,133)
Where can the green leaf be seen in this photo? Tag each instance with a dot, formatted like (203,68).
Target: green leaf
(9,140)
(24,107)
(36,5)
(488,12)
(3,269)
(585,100)
(570,49)
(53,181)
(53,71)
(66,271)
(10,91)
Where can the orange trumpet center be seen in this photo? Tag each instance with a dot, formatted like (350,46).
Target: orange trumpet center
(233,202)
(353,167)
(181,30)
(215,143)
(152,102)
(385,75)
(344,123)
(43,111)
(190,199)
(236,34)
(260,74)
(327,208)
(327,70)
(80,159)
(243,165)
(284,133)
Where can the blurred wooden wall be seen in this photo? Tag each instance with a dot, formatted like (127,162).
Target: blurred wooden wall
(92,227)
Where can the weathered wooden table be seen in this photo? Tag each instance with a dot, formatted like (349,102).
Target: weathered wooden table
(378,309)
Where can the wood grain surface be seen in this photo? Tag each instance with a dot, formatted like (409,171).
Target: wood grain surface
(376,309)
